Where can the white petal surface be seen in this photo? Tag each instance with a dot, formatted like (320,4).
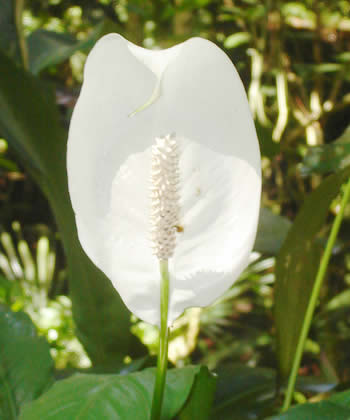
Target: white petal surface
(193,90)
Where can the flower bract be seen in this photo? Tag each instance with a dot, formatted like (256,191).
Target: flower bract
(125,206)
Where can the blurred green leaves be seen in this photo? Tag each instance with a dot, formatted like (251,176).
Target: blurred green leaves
(30,122)
(329,157)
(237,39)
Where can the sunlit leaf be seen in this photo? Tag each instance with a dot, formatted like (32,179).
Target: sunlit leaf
(237,39)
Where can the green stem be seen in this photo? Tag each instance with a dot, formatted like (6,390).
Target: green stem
(163,343)
(313,299)
(20,35)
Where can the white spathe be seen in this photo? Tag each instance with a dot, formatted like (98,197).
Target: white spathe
(130,96)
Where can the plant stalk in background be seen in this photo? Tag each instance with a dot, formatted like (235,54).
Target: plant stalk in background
(19,6)
(313,299)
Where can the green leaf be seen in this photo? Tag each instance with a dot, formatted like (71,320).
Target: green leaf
(29,120)
(328,157)
(8,32)
(299,10)
(268,147)
(48,48)
(5,288)
(112,396)
(272,231)
(296,267)
(243,393)
(307,70)
(343,57)
(341,398)
(336,407)
(26,367)
(324,410)
(201,398)
(339,301)
(8,165)
(237,39)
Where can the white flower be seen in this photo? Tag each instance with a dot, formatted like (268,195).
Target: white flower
(191,95)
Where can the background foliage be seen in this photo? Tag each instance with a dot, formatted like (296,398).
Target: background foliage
(294,60)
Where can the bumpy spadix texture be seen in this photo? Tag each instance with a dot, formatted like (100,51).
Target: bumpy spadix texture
(164,216)
(130,97)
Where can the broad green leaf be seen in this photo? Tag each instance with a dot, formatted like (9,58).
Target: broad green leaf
(201,398)
(30,122)
(337,407)
(296,267)
(112,396)
(324,410)
(328,157)
(26,367)
(272,231)
(237,39)
(243,393)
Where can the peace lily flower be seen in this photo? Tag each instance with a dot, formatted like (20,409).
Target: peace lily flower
(164,167)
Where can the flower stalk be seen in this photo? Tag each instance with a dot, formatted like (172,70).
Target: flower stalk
(162,361)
